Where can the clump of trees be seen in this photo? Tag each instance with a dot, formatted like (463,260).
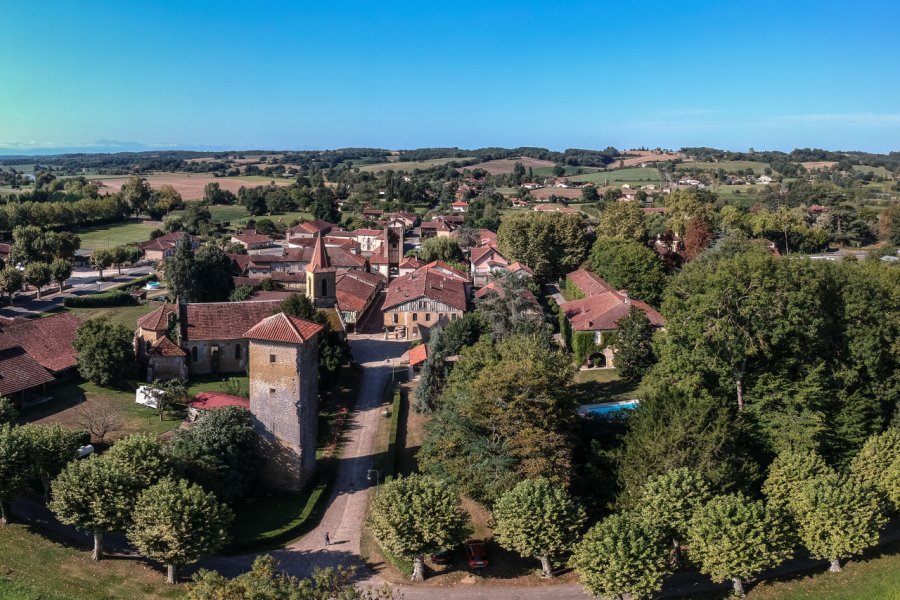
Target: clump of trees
(105,351)
(551,243)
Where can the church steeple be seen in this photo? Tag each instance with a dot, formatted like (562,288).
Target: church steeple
(321,278)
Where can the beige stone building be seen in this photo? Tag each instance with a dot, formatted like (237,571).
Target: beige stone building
(417,302)
(284,387)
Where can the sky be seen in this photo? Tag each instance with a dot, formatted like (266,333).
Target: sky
(206,74)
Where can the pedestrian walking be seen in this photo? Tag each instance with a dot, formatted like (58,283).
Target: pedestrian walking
(327,539)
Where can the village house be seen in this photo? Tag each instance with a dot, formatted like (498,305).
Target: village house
(433,228)
(34,353)
(424,299)
(596,314)
(309,230)
(485,262)
(417,356)
(460,206)
(356,294)
(410,264)
(164,246)
(251,240)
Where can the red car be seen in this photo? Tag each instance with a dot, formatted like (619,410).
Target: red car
(476,554)
(441,558)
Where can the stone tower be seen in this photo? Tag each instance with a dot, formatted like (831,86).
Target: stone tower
(284,388)
(321,277)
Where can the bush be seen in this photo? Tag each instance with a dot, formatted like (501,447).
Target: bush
(102,300)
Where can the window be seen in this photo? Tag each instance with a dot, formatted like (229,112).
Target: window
(271,358)
(395,318)
(324,287)
(415,316)
(194,354)
(427,317)
(271,390)
(237,351)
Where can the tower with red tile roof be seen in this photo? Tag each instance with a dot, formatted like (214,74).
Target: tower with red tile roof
(321,277)
(284,387)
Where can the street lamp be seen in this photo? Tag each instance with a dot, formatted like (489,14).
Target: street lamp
(377,476)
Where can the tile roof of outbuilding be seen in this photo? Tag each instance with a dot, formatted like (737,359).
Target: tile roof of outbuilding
(284,328)
(48,340)
(429,284)
(224,320)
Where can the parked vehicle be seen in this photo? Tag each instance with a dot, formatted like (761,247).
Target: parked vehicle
(476,554)
(84,451)
(441,558)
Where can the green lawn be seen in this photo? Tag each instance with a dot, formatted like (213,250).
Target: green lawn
(114,235)
(730,166)
(603,385)
(230,384)
(637,175)
(222,212)
(873,578)
(127,315)
(876,170)
(284,218)
(411,165)
(70,402)
(33,567)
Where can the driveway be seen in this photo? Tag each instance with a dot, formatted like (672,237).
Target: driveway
(346,509)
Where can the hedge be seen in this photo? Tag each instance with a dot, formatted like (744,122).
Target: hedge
(101,300)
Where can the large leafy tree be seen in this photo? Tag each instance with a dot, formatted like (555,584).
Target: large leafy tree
(687,204)
(102,259)
(634,345)
(537,519)
(622,220)
(135,193)
(668,503)
(214,281)
(415,515)
(11,282)
(93,494)
(552,244)
(105,351)
(672,430)
(443,343)
(838,517)
(15,467)
(61,270)
(631,266)
(511,308)
(52,447)
(182,272)
(39,275)
(264,581)
(618,556)
(873,464)
(440,248)
(505,415)
(176,522)
(789,473)
(218,452)
(734,538)
(141,458)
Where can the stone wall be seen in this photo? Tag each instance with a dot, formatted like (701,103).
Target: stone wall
(284,403)
(216,356)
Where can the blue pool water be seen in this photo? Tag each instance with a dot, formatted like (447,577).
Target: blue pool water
(608,407)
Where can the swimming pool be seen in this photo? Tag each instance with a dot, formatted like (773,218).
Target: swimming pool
(607,407)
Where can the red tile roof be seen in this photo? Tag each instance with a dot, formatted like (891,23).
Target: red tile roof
(48,340)
(426,283)
(19,371)
(418,354)
(356,289)
(283,328)
(166,347)
(158,319)
(589,283)
(411,263)
(239,262)
(319,262)
(224,320)
(251,237)
(313,227)
(444,269)
(480,252)
(214,400)
(517,267)
(166,242)
(272,295)
(603,311)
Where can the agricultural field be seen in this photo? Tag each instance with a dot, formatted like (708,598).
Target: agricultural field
(644,156)
(505,165)
(874,170)
(190,185)
(410,165)
(636,175)
(116,234)
(730,166)
(819,165)
(544,193)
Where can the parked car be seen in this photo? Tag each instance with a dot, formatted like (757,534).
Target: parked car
(476,554)
(84,451)
(441,558)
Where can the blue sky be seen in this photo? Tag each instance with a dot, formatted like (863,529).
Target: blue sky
(275,75)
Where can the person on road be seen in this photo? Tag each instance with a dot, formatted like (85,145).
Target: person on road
(327,539)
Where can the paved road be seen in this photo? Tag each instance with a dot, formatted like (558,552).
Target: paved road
(82,282)
(346,507)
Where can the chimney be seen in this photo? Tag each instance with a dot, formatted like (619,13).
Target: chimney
(625,297)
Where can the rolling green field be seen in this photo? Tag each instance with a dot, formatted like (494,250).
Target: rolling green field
(730,166)
(114,235)
(411,165)
(876,170)
(642,175)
